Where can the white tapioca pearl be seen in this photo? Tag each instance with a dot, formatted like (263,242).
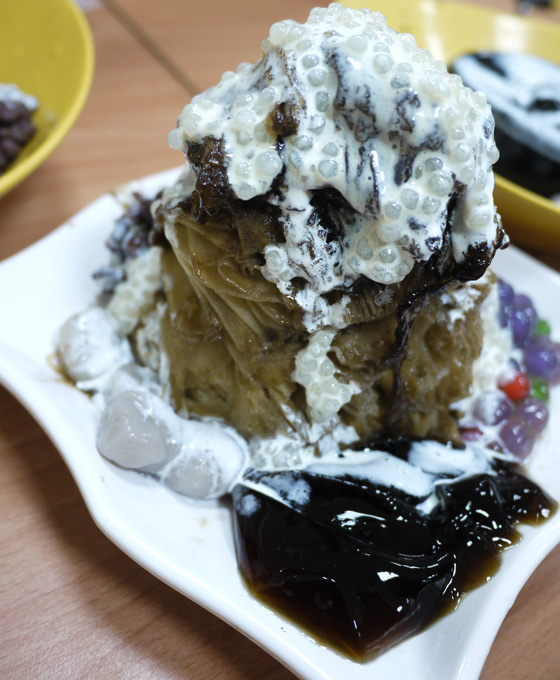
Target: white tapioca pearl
(317,15)
(403,268)
(307,364)
(421,57)
(472,115)
(355,263)
(364,249)
(330,149)
(191,123)
(381,273)
(404,67)
(244,137)
(389,232)
(433,164)
(481,179)
(244,68)
(452,115)
(286,275)
(243,169)
(409,198)
(383,63)
(245,118)
(479,219)
(467,173)
(345,394)
(176,139)
(326,368)
(268,95)
(493,154)
(268,163)
(317,122)
(304,45)
(479,99)
(335,9)
(430,205)
(378,18)
(328,407)
(409,41)
(482,199)
(357,43)
(331,385)
(457,132)
(388,254)
(246,191)
(462,152)
(392,210)
(317,77)
(381,47)
(328,169)
(276,259)
(278,32)
(400,81)
(440,183)
(303,142)
(296,32)
(310,60)
(287,457)
(322,100)
(323,338)
(295,160)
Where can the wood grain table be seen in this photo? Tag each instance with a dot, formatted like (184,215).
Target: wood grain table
(71,604)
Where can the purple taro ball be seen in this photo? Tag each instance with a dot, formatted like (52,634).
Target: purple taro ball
(540,360)
(517,437)
(534,413)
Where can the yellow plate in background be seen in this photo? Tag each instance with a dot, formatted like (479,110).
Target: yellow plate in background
(47,51)
(450,29)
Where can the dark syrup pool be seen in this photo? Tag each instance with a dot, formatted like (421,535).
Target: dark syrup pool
(358,566)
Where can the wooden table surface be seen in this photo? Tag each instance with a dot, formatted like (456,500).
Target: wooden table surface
(71,604)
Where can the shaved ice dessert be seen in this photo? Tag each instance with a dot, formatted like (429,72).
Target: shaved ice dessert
(306,321)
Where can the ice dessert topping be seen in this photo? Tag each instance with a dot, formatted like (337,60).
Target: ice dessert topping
(346,103)
(306,321)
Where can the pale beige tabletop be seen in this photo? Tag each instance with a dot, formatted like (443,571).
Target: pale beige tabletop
(71,604)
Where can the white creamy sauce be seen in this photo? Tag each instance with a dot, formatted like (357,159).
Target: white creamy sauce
(429,464)
(367,101)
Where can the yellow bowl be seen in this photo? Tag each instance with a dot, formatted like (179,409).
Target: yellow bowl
(449,29)
(47,51)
